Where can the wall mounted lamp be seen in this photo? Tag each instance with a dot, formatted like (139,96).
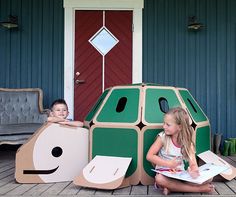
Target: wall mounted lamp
(12,22)
(193,24)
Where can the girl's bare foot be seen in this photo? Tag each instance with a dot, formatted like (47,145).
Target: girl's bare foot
(208,188)
(166,191)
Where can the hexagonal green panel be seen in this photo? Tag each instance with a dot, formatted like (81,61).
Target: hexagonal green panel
(122,106)
(153,111)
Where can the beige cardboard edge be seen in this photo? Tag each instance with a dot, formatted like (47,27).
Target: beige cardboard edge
(22,160)
(81,181)
(212,158)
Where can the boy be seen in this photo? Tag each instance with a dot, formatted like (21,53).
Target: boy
(59,113)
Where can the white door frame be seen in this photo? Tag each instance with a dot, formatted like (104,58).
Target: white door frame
(69,9)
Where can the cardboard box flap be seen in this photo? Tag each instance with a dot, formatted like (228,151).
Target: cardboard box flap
(210,157)
(103,172)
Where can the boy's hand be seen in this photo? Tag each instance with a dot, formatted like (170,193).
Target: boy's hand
(56,119)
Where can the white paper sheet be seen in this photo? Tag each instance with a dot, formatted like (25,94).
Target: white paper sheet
(207,171)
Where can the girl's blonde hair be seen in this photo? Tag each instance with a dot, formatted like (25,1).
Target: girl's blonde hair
(185,139)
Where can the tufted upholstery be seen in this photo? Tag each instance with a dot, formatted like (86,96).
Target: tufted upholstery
(21,113)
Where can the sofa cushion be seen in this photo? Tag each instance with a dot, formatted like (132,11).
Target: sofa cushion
(19,129)
(14,139)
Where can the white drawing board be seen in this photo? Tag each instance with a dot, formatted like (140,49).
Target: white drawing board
(207,171)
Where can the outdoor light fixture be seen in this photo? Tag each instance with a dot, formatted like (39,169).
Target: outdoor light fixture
(193,24)
(12,22)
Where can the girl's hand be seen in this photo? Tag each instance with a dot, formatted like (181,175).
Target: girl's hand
(194,173)
(173,164)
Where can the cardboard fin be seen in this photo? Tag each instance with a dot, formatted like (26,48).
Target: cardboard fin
(210,157)
(103,172)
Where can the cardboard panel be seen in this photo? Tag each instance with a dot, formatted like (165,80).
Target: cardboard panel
(203,139)
(210,157)
(55,153)
(103,172)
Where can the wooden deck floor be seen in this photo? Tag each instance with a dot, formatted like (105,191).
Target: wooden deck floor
(8,186)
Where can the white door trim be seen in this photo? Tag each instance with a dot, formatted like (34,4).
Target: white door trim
(69,7)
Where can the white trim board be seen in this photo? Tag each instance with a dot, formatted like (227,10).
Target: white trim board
(69,7)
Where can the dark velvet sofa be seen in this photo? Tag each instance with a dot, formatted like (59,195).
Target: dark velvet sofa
(21,114)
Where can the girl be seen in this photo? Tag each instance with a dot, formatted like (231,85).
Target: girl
(173,145)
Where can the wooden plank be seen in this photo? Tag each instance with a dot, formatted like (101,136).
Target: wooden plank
(233,157)
(222,188)
(21,189)
(102,192)
(8,187)
(71,189)
(122,191)
(38,189)
(7,173)
(5,163)
(232,185)
(7,167)
(56,188)
(86,191)
(6,180)
(229,160)
(139,190)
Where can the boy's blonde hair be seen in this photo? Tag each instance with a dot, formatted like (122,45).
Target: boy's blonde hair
(181,118)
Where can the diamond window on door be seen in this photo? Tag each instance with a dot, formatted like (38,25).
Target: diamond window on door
(103,41)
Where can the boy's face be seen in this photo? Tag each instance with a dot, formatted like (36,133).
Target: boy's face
(60,111)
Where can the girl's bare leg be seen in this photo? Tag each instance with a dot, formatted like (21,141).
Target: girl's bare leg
(173,185)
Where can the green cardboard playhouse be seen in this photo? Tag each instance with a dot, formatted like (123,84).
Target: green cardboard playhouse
(125,121)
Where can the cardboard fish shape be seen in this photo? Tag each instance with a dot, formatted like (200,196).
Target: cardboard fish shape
(55,153)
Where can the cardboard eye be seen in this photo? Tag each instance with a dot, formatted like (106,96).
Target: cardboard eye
(57,151)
